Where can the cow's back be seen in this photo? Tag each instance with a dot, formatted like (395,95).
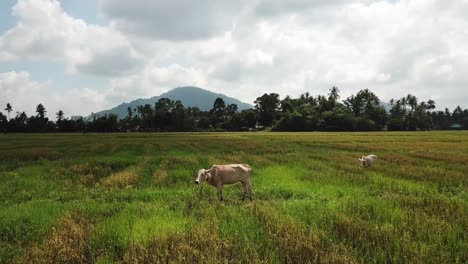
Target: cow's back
(371,159)
(232,173)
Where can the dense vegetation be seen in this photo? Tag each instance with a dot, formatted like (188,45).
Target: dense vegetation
(187,95)
(360,112)
(85,198)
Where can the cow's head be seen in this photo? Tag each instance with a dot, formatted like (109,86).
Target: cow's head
(203,175)
(363,161)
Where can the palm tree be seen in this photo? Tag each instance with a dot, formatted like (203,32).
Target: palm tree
(60,115)
(412,101)
(431,105)
(304,97)
(41,111)
(140,111)
(22,117)
(334,94)
(8,109)
(130,113)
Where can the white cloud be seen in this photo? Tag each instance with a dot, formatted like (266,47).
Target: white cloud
(24,94)
(19,90)
(172,20)
(390,47)
(247,48)
(45,31)
(153,80)
(82,101)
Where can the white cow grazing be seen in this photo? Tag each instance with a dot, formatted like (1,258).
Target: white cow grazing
(218,175)
(367,161)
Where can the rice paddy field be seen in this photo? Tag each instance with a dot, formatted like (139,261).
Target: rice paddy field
(131,198)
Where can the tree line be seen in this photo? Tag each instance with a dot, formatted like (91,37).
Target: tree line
(360,112)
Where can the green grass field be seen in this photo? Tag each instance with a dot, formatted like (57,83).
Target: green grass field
(105,198)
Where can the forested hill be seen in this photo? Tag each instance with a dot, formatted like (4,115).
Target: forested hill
(190,96)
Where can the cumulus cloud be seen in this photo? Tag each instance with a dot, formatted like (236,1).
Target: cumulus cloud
(154,80)
(172,20)
(382,45)
(274,8)
(24,94)
(44,31)
(18,89)
(391,47)
(79,101)
(247,48)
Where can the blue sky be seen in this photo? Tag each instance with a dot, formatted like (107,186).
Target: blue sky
(83,9)
(85,56)
(7,21)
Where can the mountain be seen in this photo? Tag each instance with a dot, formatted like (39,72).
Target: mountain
(188,95)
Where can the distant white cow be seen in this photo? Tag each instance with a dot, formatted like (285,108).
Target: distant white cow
(367,161)
(218,175)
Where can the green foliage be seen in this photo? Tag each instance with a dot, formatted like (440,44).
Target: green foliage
(8,108)
(370,114)
(361,112)
(41,111)
(267,106)
(407,114)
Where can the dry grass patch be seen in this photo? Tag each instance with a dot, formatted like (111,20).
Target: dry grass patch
(159,175)
(122,179)
(83,168)
(202,245)
(127,177)
(296,244)
(67,243)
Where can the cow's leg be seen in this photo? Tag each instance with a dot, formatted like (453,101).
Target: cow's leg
(249,188)
(244,184)
(220,192)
